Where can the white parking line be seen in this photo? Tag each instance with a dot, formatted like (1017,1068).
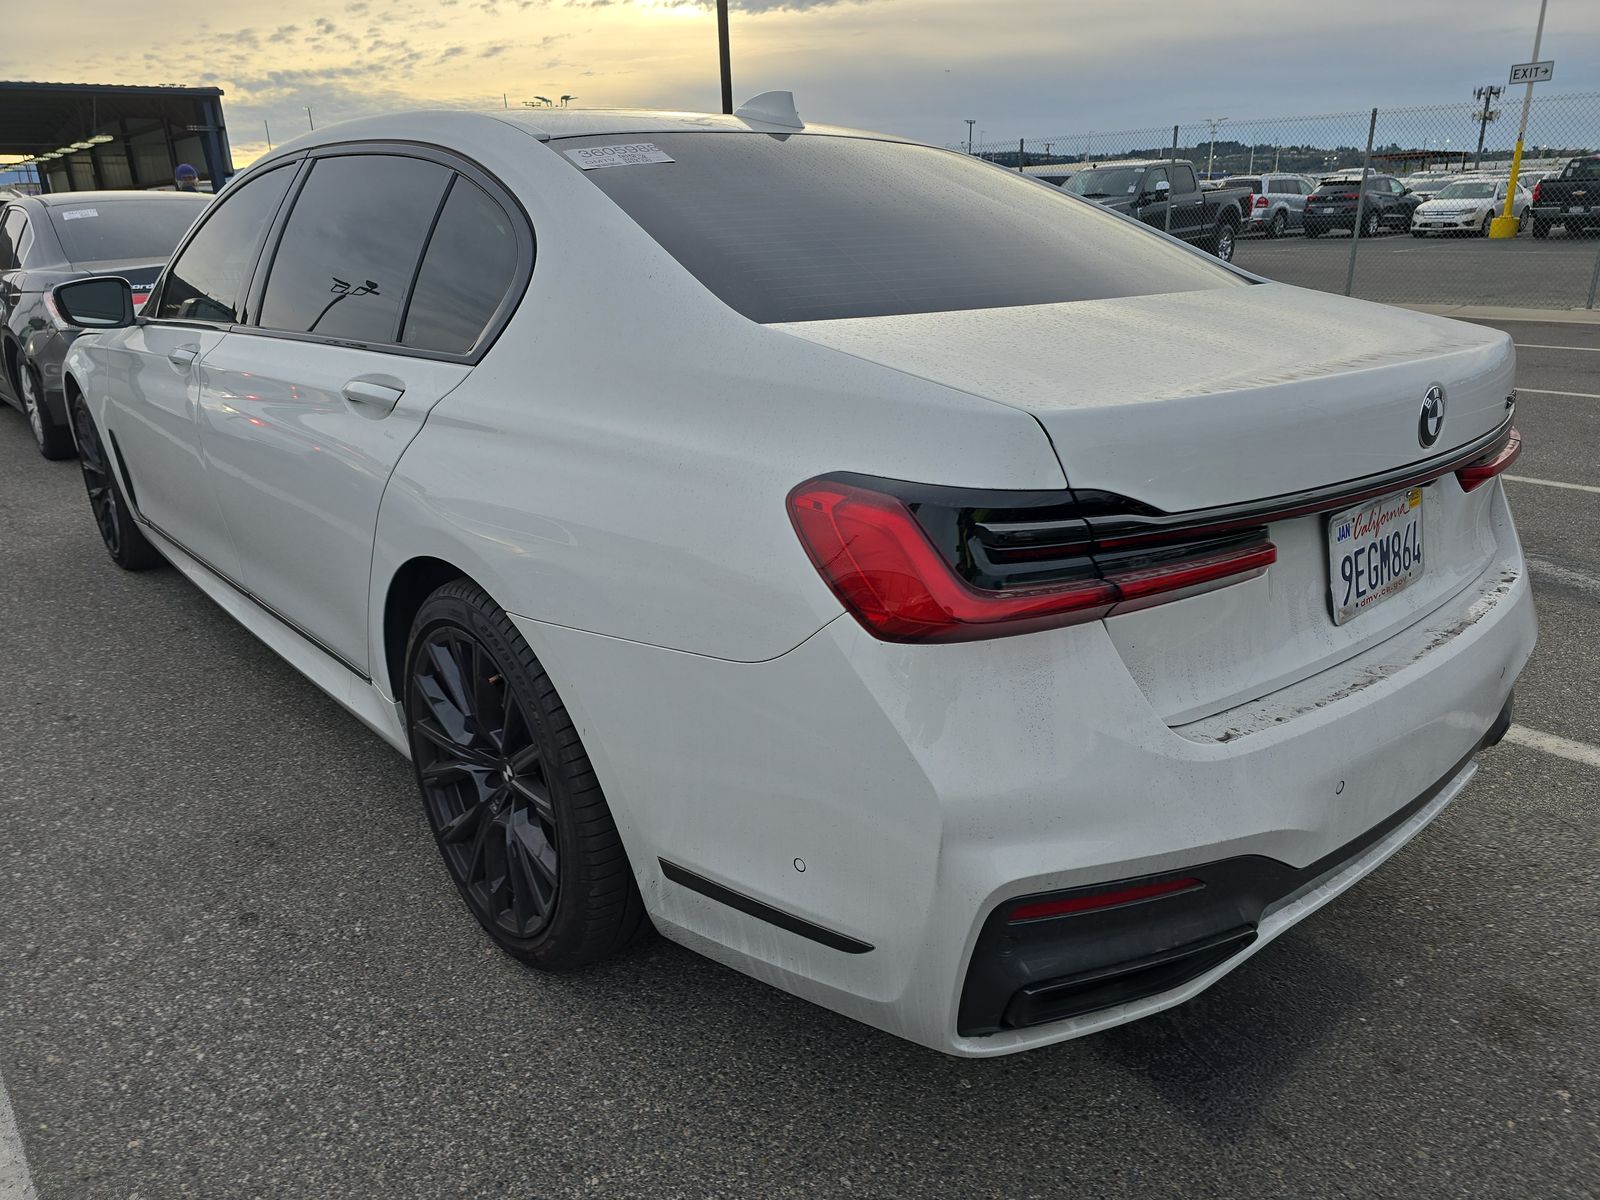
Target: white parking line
(1543,568)
(1578,752)
(1548,392)
(1555,483)
(1537,346)
(15,1182)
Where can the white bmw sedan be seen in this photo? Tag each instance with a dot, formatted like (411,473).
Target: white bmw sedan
(911,585)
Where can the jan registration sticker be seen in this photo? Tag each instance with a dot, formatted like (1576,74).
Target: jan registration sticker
(630,154)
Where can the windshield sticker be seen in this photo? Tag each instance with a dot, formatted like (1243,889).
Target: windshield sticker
(74,214)
(632,154)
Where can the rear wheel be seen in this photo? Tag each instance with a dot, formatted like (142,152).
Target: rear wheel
(1279,224)
(1539,229)
(124,540)
(54,441)
(1371,225)
(515,807)
(1313,230)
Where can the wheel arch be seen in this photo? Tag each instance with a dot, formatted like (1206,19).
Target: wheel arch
(416,579)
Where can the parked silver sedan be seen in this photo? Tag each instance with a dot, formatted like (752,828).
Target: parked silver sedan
(46,240)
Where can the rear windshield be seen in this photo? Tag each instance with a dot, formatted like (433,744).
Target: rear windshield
(100,229)
(810,228)
(1586,168)
(1340,185)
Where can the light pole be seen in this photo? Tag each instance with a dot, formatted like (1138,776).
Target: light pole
(971,121)
(309,121)
(1505,225)
(1488,93)
(1211,157)
(723,56)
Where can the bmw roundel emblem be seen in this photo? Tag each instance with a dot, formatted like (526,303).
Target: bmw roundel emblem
(1431,425)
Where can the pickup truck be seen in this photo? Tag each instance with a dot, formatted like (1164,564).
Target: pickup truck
(1571,198)
(1208,218)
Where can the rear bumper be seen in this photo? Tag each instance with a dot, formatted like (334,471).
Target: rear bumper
(897,796)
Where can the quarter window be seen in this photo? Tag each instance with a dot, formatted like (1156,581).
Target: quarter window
(207,281)
(13,236)
(469,264)
(351,246)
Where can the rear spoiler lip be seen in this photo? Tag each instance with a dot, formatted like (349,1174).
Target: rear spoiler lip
(1327,498)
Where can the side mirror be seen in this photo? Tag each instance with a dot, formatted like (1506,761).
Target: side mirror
(1159,192)
(100,302)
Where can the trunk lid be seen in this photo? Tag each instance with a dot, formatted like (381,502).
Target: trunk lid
(1213,399)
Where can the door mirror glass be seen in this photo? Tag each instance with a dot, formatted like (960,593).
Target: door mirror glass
(101,302)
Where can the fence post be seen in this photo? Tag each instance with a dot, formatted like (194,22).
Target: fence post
(1594,280)
(1022,154)
(1172,173)
(1361,206)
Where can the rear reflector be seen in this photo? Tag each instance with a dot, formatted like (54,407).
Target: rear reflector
(881,563)
(1498,460)
(1034,910)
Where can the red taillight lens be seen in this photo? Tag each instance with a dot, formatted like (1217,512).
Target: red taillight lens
(1537,188)
(881,564)
(1495,462)
(1261,201)
(1034,910)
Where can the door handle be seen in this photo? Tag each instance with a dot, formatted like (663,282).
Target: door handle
(183,357)
(381,397)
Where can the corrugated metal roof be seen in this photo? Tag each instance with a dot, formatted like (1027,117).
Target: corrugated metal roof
(12,85)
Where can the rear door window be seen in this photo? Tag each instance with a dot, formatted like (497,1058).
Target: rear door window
(469,265)
(207,281)
(1183,178)
(351,246)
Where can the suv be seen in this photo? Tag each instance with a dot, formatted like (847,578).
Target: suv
(1389,205)
(1277,203)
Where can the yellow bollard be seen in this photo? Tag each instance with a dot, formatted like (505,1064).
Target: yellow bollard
(1506,225)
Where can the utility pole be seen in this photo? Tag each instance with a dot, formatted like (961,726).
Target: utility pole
(268,129)
(1505,225)
(971,121)
(723,55)
(309,121)
(1211,158)
(1488,93)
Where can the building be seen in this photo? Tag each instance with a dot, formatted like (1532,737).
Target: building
(76,137)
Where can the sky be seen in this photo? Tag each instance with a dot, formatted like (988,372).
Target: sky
(1039,69)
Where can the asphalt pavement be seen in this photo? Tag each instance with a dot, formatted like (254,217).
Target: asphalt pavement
(231,964)
(1553,272)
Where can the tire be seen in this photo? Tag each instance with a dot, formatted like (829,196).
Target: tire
(1539,229)
(1416,233)
(123,538)
(54,441)
(1312,231)
(1371,225)
(1222,241)
(1279,224)
(1483,229)
(516,810)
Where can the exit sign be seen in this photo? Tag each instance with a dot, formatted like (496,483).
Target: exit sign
(1536,72)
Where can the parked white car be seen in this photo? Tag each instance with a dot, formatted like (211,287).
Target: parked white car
(932,594)
(1466,207)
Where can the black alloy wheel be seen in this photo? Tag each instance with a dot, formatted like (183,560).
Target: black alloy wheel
(1370,227)
(54,441)
(123,538)
(519,817)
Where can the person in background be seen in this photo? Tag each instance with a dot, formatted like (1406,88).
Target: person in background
(186,178)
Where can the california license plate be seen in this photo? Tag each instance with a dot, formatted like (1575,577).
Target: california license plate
(1373,552)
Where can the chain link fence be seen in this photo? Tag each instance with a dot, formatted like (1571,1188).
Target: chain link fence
(1436,175)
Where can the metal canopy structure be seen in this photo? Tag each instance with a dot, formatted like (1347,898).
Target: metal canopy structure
(83,136)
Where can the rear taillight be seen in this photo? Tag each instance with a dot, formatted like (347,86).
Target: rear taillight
(1537,188)
(1497,460)
(1261,202)
(915,564)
